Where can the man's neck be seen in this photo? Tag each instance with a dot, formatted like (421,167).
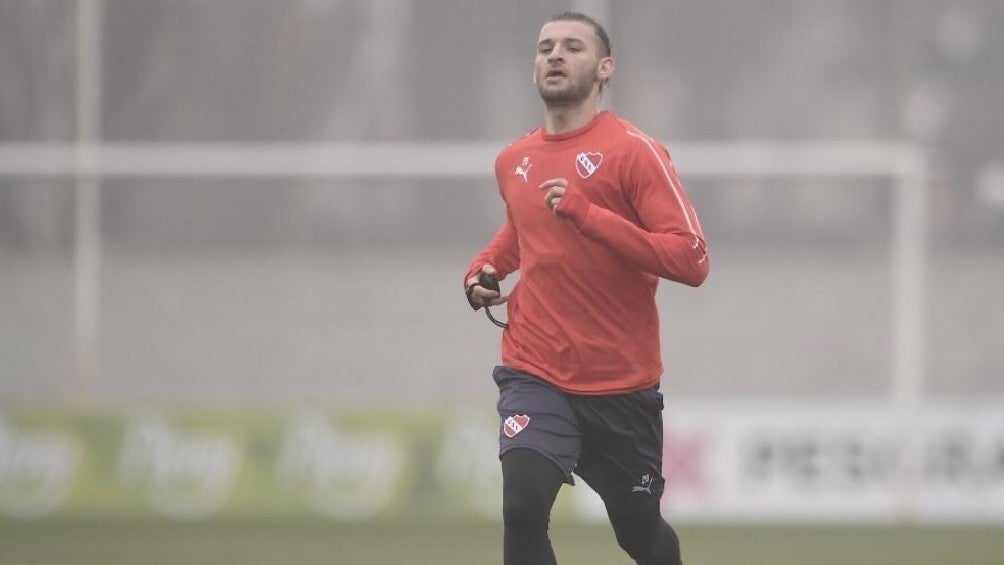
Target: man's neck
(563,119)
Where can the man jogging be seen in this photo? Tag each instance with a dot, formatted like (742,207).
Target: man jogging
(595,216)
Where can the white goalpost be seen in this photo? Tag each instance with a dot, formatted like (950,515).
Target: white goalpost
(88,163)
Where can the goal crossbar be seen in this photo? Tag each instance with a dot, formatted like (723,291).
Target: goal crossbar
(438,160)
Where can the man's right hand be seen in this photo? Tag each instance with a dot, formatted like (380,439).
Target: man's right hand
(477,294)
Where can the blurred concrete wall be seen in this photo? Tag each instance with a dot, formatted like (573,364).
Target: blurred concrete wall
(274,291)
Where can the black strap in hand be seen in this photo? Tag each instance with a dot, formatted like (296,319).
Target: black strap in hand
(489,282)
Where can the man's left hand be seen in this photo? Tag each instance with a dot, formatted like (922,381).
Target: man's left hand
(554,190)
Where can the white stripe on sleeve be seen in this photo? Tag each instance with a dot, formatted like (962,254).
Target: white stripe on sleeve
(692,224)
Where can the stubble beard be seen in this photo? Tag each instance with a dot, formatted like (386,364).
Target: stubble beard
(571,94)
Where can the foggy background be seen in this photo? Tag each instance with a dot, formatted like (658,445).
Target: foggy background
(272,291)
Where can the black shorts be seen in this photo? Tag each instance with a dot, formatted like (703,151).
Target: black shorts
(614,442)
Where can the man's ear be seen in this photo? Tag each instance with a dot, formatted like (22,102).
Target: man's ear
(605,69)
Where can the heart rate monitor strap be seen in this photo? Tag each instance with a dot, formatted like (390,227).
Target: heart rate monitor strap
(491,283)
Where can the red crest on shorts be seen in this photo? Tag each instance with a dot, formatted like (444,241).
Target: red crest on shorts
(515,424)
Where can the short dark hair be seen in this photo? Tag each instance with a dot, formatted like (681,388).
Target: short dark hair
(570,16)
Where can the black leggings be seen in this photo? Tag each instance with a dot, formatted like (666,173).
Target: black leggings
(530,485)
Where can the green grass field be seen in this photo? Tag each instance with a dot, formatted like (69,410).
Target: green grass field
(303,543)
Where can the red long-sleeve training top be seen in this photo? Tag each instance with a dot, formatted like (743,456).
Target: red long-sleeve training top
(583,314)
